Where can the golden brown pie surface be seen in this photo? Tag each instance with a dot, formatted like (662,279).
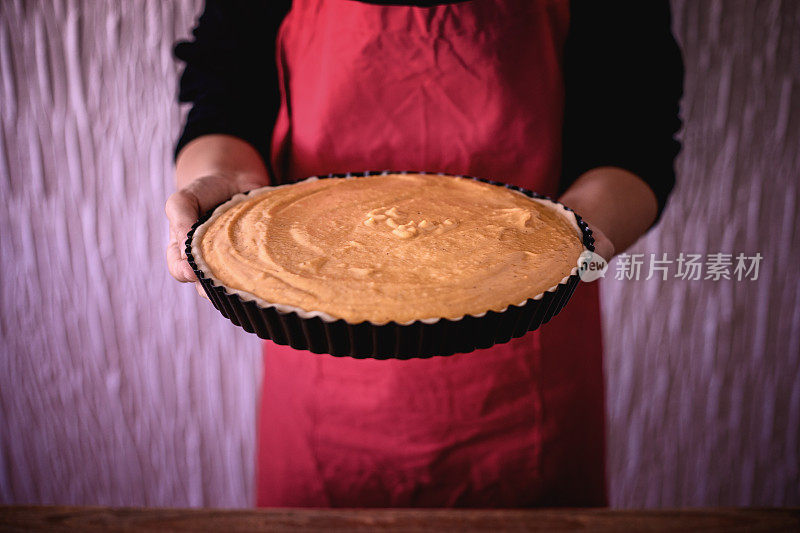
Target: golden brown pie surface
(399,247)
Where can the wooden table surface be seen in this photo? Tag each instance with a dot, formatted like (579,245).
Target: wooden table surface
(45,518)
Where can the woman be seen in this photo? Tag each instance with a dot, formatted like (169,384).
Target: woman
(552,96)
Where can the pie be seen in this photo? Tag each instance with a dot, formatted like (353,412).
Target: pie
(390,248)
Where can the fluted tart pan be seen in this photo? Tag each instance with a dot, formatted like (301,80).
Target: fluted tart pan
(319,333)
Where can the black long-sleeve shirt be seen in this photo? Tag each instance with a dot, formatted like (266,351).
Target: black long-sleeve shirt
(623,80)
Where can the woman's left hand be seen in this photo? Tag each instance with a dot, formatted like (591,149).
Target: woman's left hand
(618,206)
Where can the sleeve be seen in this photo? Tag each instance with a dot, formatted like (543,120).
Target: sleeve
(623,80)
(230,77)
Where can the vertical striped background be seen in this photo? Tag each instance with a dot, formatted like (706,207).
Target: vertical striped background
(118,386)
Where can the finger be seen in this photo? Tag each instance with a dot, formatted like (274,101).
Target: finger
(201,291)
(208,191)
(178,266)
(182,209)
(602,244)
(605,250)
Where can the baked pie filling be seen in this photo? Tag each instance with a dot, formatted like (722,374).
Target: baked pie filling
(397,247)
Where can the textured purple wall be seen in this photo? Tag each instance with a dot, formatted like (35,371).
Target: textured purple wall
(704,376)
(118,386)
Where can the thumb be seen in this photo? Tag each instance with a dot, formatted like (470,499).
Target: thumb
(182,209)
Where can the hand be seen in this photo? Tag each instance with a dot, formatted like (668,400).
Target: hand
(209,170)
(617,201)
(184,207)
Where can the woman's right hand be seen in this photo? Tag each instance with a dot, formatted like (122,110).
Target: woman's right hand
(209,170)
(183,208)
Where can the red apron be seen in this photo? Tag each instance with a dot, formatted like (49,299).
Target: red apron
(472,88)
